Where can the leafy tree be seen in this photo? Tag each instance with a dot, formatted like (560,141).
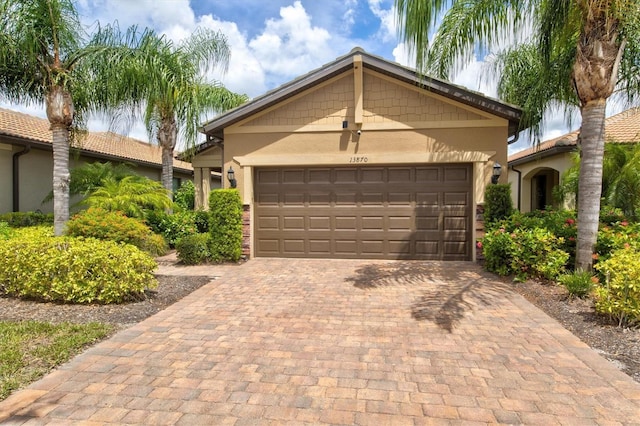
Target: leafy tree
(578,53)
(174,90)
(45,58)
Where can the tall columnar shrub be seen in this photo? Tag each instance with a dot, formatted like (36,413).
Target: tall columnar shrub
(497,203)
(226,225)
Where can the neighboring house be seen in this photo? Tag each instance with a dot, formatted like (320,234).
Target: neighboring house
(26,160)
(534,172)
(361,158)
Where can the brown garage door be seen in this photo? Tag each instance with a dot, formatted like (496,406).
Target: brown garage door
(395,212)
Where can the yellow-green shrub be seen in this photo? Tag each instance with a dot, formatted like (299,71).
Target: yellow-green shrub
(619,297)
(77,270)
(115,226)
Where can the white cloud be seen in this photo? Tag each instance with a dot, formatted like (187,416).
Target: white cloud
(291,46)
(388,28)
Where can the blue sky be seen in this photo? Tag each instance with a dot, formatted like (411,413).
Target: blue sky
(274,41)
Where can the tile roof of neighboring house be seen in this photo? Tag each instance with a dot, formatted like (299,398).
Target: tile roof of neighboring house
(107,144)
(620,128)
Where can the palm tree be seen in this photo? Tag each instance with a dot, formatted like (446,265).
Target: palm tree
(579,52)
(45,59)
(133,195)
(176,91)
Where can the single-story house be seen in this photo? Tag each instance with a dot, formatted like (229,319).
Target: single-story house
(26,160)
(361,158)
(534,172)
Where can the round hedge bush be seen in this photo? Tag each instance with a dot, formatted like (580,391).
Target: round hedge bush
(74,270)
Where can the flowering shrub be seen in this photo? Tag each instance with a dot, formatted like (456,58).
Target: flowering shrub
(524,253)
(616,236)
(619,297)
(66,269)
(115,226)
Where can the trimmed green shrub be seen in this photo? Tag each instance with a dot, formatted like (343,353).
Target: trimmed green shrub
(193,249)
(67,269)
(578,283)
(115,226)
(23,219)
(497,203)
(225,208)
(619,297)
(202,220)
(610,215)
(185,196)
(174,226)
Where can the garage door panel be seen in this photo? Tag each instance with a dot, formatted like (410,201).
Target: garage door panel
(268,222)
(346,222)
(319,176)
(397,212)
(346,246)
(320,246)
(292,176)
(373,222)
(400,223)
(293,245)
(372,175)
(320,223)
(431,248)
(456,198)
(402,198)
(375,198)
(293,223)
(427,175)
(291,198)
(428,198)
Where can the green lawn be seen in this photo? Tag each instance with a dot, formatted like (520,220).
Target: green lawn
(30,349)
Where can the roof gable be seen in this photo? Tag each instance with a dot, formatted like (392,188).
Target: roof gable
(215,128)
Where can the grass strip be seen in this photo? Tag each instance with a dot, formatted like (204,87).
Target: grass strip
(30,349)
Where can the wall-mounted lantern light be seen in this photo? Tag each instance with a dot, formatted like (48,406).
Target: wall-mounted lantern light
(497,171)
(231,177)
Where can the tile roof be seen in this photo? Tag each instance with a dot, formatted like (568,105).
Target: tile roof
(19,125)
(620,128)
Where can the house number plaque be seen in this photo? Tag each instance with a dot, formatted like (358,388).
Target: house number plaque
(358,159)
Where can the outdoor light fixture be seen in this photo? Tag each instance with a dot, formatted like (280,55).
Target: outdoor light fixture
(231,177)
(497,171)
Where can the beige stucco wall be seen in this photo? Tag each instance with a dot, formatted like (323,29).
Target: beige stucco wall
(558,162)
(6,195)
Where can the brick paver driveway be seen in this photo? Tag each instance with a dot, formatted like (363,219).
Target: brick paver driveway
(340,342)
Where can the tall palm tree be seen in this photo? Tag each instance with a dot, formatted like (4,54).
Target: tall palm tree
(578,52)
(177,93)
(45,58)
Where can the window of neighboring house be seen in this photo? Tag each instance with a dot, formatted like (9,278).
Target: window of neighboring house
(176,183)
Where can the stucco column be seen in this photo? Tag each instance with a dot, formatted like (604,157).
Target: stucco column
(206,186)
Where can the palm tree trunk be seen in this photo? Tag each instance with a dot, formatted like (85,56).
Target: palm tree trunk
(61,177)
(167,169)
(592,152)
